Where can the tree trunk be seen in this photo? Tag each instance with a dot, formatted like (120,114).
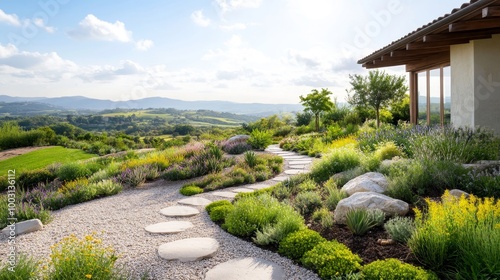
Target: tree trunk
(377,116)
(317,122)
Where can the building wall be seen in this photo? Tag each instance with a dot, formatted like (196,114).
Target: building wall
(475,84)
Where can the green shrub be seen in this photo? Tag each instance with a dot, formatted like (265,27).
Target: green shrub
(287,221)
(334,196)
(400,228)
(28,211)
(331,259)
(281,192)
(190,190)
(296,244)
(324,217)
(336,161)
(219,213)
(307,185)
(394,269)
(387,150)
(250,159)
(104,188)
(260,139)
(25,268)
(30,179)
(360,220)
(217,203)
(135,176)
(343,177)
(307,202)
(72,171)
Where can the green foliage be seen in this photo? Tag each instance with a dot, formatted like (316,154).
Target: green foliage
(340,179)
(219,213)
(388,150)
(394,269)
(336,161)
(303,118)
(334,195)
(136,176)
(72,171)
(400,110)
(370,162)
(259,140)
(324,217)
(459,145)
(307,202)
(190,190)
(25,268)
(26,211)
(400,228)
(377,90)
(360,220)
(331,259)
(317,102)
(287,221)
(296,244)
(12,136)
(250,159)
(30,179)
(217,203)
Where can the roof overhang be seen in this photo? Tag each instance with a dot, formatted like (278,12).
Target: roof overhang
(429,46)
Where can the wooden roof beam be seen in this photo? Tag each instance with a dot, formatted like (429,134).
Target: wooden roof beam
(438,44)
(493,11)
(474,25)
(419,52)
(409,59)
(429,62)
(471,35)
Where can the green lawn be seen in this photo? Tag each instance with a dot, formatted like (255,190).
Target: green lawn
(41,158)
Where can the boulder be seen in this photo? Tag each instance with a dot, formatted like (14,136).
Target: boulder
(241,137)
(23,227)
(370,200)
(458,193)
(369,182)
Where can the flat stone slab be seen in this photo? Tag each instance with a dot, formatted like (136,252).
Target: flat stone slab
(280,178)
(304,161)
(188,250)
(258,186)
(296,157)
(284,153)
(297,166)
(242,190)
(195,201)
(179,211)
(246,269)
(224,194)
(169,227)
(294,171)
(23,227)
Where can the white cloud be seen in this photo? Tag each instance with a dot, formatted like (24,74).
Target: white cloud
(93,28)
(107,72)
(232,27)
(200,19)
(143,45)
(229,5)
(41,24)
(303,58)
(11,19)
(235,42)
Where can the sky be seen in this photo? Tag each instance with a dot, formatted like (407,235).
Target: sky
(265,51)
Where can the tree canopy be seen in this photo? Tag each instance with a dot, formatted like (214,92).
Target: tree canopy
(377,90)
(317,102)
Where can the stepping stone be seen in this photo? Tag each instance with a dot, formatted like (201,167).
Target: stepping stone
(246,269)
(195,201)
(297,166)
(188,250)
(280,178)
(224,194)
(169,227)
(295,157)
(284,153)
(294,171)
(258,186)
(179,211)
(242,190)
(306,161)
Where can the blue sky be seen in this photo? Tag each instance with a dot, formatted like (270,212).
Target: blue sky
(268,51)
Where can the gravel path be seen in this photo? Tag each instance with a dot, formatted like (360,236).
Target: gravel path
(119,221)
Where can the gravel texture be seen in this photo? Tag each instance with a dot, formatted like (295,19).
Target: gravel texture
(119,221)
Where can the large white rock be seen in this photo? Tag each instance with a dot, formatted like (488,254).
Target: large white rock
(369,182)
(370,200)
(188,250)
(246,269)
(23,227)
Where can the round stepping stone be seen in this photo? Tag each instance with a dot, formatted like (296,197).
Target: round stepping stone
(297,166)
(196,201)
(242,190)
(169,227)
(246,269)
(224,194)
(258,186)
(294,162)
(179,211)
(294,171)
(295,157)
(280,178)
(188,250)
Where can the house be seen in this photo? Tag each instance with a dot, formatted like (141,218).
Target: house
(468,41)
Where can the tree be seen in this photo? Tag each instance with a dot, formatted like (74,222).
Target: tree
(317,102)
(377,90)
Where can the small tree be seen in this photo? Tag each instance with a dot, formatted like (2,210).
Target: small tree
(377,90)
(317,102)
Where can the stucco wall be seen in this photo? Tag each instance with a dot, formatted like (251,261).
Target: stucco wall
(475,84)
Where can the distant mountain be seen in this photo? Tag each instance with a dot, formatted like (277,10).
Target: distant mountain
(85,103)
